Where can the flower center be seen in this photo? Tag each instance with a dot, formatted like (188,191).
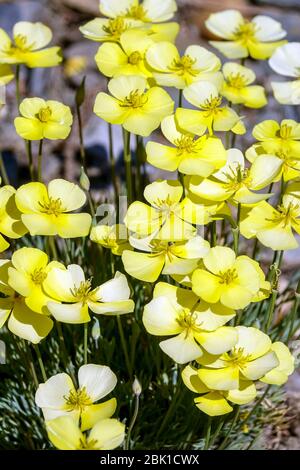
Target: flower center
(136,12)
(88,444)
(136,99)
(78,399)
(184,65)
(115,27)
(187,320)
(285,132)
(165,205)
(38,276)
(245,32)
(134,58)
(237,81)
(52,207)
(228,276)
(237,177)
(185,144)
(82,293)
(236,357)
(21,42)
(211,105)
(44,114)
(287,215)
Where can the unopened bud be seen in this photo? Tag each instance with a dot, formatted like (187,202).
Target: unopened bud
(80,93)
(136,387)
(84,180)
(96,331)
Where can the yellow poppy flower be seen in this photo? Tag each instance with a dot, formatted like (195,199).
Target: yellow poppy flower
(30,268)
(233,281)
(28,46)
(126,58)
(65,434)
(216,402)
(58,396)
(235,182)
(251,358)
(277,138)
(22,321)
(238,89)
(273,227)
(6,74)
(147,11)
(189,155)
(162,257)
(138,110)
(171,69)
(257,38)
(168,217)
(108,30)
(196,324)
(73,295)
(212,115)
(11,225)
(45,211)
(280,374)
(43,120)
(285,61)
(113,237)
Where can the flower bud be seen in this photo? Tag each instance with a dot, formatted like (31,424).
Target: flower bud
(136,387)
(84,180)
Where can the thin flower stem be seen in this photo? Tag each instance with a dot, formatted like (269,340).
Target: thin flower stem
(133,420)
(124,346)
(236,231)
(18,95)
(294,312)
(128,169)
(30,159)
(81,142)
(180,97)
(213,229)
(208,433)
(85,342)
(245,421)
(174,402)
(40,361)
(27,358)
(233,423)
(217,431)
(271,309)
(3,170)
(64,352)
(52,246)
(113,164)
(40,158)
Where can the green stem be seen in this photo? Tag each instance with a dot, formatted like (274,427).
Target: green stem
(40,158)
(236,231)
(217,431)
(63,351)
(133,420)
(208,433)
(3,170)
(254,407)
(124,346)
(213,228)
(128,169)
(233,423)
(271,309)
(52,246)
(30,159)
(173,404)
(81,142)
(294,312)
(113,165)
(28,360)
(180,96)
(18,84)
(85,342)
(40,361)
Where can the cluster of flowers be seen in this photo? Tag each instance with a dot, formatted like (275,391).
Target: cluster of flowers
(206,282)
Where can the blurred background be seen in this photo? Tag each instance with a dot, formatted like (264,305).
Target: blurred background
(62,157)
